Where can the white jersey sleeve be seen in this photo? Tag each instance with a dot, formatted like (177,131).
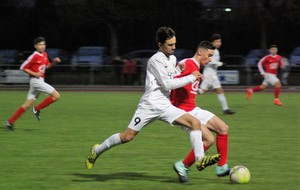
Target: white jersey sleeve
(164,73)
(160,80)
(215,60)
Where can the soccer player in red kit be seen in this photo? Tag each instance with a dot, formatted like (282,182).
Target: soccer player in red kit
(268,68)
(35,66)
(185,98)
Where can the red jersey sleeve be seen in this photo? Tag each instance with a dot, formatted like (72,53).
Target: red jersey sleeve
(29,62)
(36,63)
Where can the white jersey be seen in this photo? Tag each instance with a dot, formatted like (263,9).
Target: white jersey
(160,80)
(210,70)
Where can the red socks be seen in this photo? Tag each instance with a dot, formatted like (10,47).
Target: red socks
(45,103)
(276,92)
(16,115)
(49,100)
(222,147)
(190,158)
(256,89)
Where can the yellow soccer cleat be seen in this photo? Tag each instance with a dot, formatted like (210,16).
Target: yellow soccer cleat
(92,157)
(207,161)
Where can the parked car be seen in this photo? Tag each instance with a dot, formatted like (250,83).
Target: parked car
(140,55)
(295,57)
(132,66)
(181,54)
(144,55)
(57,52)
(9,57)
(90,56)
(233,60)
(254,55)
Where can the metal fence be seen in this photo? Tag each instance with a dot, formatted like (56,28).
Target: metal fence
(115,75)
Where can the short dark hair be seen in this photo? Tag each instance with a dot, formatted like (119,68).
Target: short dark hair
(273,46)
(164,33)
(206,45)
(38,40)
(216,37)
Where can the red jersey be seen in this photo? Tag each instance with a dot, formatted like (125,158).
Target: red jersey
(271,64)
(36,62)
(185,97)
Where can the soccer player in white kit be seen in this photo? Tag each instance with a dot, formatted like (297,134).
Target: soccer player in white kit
(35,66)
(211,80)
(155,103)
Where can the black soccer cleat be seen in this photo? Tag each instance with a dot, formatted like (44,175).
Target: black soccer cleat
(228,112)
(9,125)
(36,113)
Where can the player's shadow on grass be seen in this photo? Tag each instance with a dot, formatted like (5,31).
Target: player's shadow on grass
(125,176)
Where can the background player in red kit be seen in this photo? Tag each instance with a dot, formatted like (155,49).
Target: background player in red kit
(268,68)
(185,98)
(35,66)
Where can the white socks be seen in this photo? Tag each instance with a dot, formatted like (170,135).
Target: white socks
(223,101)
(197,144)
(200,91)
(108,143)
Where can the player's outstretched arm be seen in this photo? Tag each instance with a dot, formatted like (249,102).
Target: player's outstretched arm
(55,61)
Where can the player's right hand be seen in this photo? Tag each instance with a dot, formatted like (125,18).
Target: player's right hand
(38,74)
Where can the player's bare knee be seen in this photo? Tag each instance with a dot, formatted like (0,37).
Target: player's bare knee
(224,129)
(195,125)
(55,95)
(127,138)
(277,85)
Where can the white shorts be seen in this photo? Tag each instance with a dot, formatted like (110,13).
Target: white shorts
(38,85)
(270,79)
(210,83)
(145,115)
(202,115)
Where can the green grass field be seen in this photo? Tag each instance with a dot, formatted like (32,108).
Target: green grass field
(50,154)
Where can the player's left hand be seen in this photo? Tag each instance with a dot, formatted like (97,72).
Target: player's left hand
(57,60)
(201,76)
(181,66)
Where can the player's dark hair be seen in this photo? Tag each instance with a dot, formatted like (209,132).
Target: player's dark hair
(38,40)
(273,46)
(206,45)
(216,37)
(164,33)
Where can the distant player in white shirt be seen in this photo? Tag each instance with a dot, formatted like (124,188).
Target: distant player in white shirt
(211,80)
(155,104)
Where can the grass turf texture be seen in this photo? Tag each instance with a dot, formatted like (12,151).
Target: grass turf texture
(50,154)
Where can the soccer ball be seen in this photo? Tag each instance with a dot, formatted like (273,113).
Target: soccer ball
(239,174)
